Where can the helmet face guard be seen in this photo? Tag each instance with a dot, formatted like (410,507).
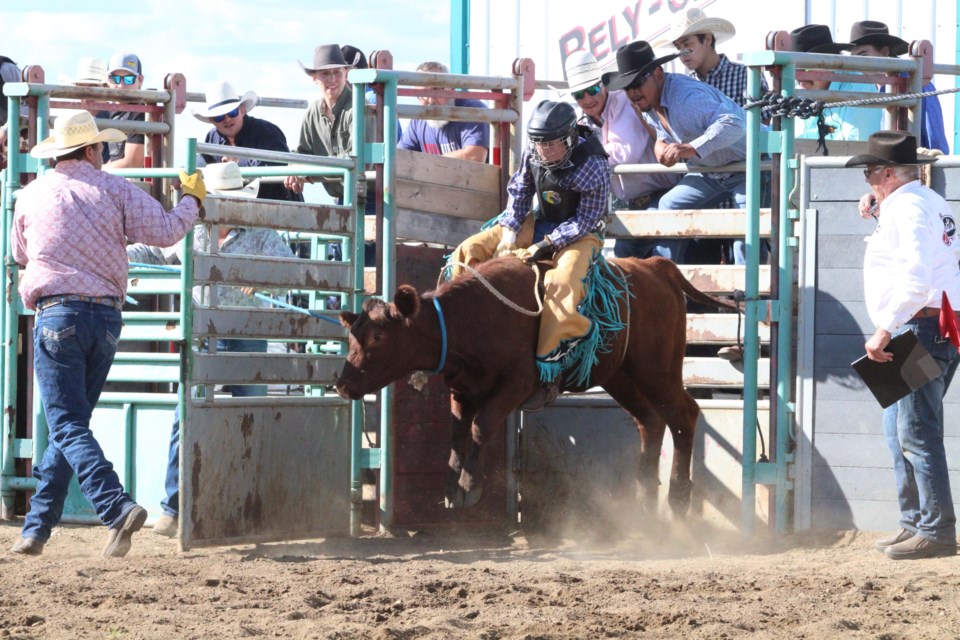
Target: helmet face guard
(552,122)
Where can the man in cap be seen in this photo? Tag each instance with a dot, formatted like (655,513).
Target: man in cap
(564,170)
(844,123)
(221,179)
(695,122)
(228,111)
(125,72)
(70,231)
(872,38)
(625,136)
(910,276)
(696,37)
(463,140)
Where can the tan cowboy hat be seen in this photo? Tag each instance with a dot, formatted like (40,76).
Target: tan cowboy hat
(694,21)
(326,56)
(582,70)
(72,130)
(224,179)
(223,98)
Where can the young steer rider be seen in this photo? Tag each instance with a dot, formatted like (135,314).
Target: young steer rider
(564,170)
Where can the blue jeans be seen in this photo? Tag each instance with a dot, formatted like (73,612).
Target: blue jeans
(645,248)
(74,345)
(694,191)
(914,431)
(171,504)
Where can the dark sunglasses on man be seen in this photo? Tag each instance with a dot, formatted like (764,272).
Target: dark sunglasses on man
(589,91)
(116,78)
(231,114)
(638,81)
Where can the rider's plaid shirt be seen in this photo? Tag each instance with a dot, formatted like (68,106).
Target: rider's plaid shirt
(591,179)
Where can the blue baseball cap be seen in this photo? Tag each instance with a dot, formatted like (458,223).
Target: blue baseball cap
(124,61)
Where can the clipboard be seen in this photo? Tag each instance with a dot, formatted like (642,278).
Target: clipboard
(911,368)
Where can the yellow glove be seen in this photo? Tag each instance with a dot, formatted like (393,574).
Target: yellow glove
(192,185)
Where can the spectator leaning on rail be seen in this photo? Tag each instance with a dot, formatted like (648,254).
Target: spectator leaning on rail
(454,139)
(70,232)
(910,273)
(696,37)
(327,128)
(695,123)
(221,179)
(872,38)
(845,123)
(229,113)
(564,170)
(125,72)
(625,136)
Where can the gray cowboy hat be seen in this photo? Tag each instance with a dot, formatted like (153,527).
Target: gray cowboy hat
(326,56)
(890,148)
(814,38)
(876,34)
(633,60)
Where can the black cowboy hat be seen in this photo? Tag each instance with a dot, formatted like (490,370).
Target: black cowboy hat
(814,38)
(633,60)
(890,148)
(876,34)
(326,56)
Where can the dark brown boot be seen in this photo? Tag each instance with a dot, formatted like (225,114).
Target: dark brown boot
(541,397)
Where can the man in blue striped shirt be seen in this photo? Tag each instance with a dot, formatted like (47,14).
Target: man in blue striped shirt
(695,123)
(564,171)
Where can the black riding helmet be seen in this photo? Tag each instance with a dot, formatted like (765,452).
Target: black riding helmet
(552,121)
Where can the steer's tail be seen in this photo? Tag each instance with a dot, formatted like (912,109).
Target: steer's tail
(670,270)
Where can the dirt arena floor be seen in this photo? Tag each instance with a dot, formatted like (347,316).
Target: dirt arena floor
(489,586)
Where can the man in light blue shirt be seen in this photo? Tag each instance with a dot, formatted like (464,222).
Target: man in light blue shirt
(695,123)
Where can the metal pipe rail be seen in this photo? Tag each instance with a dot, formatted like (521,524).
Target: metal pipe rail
(433,80)
(277,156)
(682,167)
(832,62)
(465,114)
(289,103)
(22,89)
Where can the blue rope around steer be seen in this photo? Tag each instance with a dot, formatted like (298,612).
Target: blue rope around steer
(443,338)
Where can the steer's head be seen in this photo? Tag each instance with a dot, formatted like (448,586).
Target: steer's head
(383,347)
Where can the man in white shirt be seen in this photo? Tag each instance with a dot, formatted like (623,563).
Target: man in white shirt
(911,273)
(626,138)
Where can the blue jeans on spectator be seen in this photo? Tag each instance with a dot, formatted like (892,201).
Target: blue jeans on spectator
(694,191)
(645,248)
(74,346)
(171,504)
(914,431)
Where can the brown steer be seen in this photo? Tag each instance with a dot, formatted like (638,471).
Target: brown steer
(490,368)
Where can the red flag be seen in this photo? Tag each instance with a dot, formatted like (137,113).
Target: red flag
(948,322)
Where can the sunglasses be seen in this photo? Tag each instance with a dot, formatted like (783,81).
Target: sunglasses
(232,114)
(869,171)
(589,91)
(116,78)
(637,82)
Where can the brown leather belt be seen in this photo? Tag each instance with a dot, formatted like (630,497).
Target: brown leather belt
(929,312)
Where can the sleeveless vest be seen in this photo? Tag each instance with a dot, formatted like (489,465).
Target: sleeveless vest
(558,204)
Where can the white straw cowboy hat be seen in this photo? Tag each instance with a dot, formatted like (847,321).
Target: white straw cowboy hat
(326,56)
(582,70)
(223,98)
(91,72)
(224,179)
(72,130)
(693,21)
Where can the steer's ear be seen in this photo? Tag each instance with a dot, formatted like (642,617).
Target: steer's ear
(407,300)
(347,318)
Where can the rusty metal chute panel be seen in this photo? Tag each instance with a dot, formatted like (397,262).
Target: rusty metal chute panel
(290,273)
(263,470)
(273,214)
